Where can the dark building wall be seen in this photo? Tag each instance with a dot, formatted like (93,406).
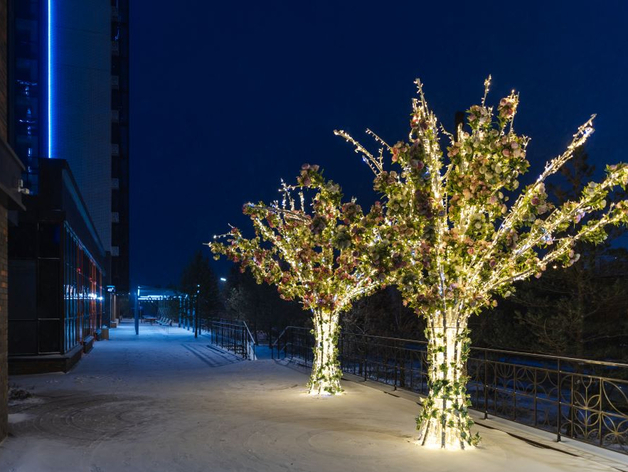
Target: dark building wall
(120,145)
(10,170)
(81,101)
(3,70)
(4,387)
(55,275)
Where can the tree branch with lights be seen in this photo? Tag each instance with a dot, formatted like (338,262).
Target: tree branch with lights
(320,254)
(456,243)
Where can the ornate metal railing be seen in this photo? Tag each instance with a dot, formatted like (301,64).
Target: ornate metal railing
(577,398)
(231,336)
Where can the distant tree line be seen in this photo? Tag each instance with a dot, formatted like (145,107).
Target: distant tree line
(580,311)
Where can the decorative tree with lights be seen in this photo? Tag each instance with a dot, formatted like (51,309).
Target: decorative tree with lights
(457,241)
(319,254)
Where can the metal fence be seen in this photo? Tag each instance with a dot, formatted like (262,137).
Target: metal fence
(231,336)
(577,398)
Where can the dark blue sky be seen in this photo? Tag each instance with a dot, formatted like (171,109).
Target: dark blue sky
(229,97)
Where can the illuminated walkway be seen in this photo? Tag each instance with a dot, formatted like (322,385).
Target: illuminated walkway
(163,401)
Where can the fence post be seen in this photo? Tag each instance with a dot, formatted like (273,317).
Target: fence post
(364,361)
(560,413)
(196,320)
(601,422)
(341,349)
(396,376)
(485,384)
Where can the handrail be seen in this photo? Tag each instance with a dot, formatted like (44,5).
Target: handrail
(230,323)
(251,351)
(552,357)
(500,351)
(482,349)
(249,331)
(241,326)
(284,331)
(386,337)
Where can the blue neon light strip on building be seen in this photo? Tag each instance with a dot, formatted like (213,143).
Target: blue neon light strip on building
(50,78)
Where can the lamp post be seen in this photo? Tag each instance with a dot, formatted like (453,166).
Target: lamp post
(137,313)
(198,288)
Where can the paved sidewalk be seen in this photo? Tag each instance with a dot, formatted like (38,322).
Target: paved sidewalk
(164,401)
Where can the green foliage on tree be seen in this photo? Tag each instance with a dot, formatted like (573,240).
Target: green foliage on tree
(322,254)
(579,311)
(460,236)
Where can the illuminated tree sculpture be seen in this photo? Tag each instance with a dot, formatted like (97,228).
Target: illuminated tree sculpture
(460,241)
(319,254)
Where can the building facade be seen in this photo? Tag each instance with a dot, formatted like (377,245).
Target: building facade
(56,271)
(11,169)
(67,102)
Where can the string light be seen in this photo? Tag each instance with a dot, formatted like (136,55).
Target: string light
(313,254)
(456,243)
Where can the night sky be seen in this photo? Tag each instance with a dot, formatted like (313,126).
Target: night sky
(229,97)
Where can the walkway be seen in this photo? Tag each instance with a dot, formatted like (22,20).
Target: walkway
(164,401)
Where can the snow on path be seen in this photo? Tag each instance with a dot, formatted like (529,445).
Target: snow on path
(164,401)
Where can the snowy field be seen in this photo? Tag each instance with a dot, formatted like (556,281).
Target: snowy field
(164,401)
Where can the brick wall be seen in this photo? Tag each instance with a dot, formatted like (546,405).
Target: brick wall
(4,269)
(3,231)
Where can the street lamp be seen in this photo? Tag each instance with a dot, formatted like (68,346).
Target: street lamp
(198,289)
(137,314)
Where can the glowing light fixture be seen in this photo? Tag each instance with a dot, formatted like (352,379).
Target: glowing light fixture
(50,78)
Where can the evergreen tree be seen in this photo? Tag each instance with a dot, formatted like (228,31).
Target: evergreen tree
(198,280)
(260,306)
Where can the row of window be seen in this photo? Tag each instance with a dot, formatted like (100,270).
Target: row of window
(56,290)
(83,294)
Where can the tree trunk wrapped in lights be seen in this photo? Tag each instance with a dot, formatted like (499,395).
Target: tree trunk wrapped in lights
(325,368)
(320,254)
(457,242)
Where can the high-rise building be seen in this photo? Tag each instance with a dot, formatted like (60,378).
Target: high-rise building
(69,99)
(68,102)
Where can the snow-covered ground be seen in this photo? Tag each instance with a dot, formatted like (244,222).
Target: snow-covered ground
(164,401)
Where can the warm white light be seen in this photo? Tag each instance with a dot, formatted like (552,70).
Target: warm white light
(460,244)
